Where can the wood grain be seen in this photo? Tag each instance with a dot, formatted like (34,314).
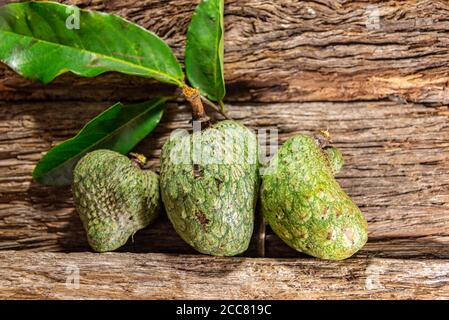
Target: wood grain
(162,276)
(279,51)
(378,83)
(397,171)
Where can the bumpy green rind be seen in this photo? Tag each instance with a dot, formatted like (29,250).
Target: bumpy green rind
(114,198)
(210,200)
(306,207)
(335,157)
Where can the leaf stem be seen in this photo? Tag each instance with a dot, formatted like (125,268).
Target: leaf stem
(215,107)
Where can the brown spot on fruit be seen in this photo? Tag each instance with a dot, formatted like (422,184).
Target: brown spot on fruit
(324,213)
(218,182)
(349,236)
(202,219)
(198,172)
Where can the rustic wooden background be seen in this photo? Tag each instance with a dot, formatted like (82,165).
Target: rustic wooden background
(380,85)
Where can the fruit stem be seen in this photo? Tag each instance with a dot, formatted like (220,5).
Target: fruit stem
(323,139)
(193,96)
(138,159)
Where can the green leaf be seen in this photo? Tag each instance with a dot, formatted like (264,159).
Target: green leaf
(205,50)
(118,128)
(41,40)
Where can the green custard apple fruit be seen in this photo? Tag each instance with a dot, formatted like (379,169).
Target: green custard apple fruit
(304,204)
(209,186)
(114,197)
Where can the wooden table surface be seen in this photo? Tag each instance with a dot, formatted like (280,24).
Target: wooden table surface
(375,74)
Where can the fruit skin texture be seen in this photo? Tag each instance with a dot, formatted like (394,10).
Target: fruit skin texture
(335,159)
(211,201)
(114,198)
(305,205)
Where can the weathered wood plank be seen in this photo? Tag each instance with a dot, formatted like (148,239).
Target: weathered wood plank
(427,247)
(397,171)
(162,276)
(288,51)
